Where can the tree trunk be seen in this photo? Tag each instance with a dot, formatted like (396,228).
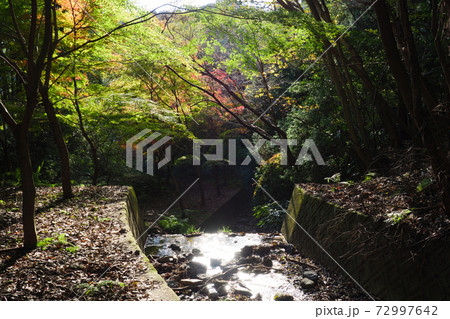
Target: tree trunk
(386,113)
(422,107)
(353,98)
(393,57)
(60,143)
(86,136)
(28,189)
(437,43)
(363,156)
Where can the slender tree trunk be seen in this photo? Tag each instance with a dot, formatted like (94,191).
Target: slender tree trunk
(86,136)
(362,155)
(28,189)
(413,89)
(60,144)
(393,57)
(353,98)
(339,80)
(320,11)
(386,113)
(443,57)
(422,107)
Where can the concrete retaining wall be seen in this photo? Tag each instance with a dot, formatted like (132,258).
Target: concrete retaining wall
(135,219)
(135,239)
(398,269)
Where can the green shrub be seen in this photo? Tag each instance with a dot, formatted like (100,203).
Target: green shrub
(59,242)
(271,215)
(225,229)
(99,287)
(174,225)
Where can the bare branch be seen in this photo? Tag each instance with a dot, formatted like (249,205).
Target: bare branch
(252,127)
(20,37)
(13,66)
(8,117)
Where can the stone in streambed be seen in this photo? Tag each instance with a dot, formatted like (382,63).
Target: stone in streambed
(283,297)
(175,247)
(212,293)
(246,251)
(289,248)
(215,262)
(307,283)
(165,259)
(243,291)
(312,275)
(223,290)
(194,268)
(228,272)
(189,256)
(163,268)
(218,283)
(262,249)
(267,261)
(250,260)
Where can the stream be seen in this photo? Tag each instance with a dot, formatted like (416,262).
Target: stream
(242,266)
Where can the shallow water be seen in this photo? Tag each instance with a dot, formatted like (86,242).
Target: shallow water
(223,247)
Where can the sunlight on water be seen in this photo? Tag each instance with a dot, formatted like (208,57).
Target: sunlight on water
(212,246)
(223,247)
(267,285)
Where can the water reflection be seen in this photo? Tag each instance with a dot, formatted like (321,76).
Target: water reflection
(219,250)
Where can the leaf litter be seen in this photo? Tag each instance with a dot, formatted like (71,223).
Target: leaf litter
(80,256)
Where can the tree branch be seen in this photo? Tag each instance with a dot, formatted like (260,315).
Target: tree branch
(252,127)
(20,37)
(13,66)
(7,117)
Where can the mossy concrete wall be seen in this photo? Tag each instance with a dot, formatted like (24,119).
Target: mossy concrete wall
(135,219)
(389,261)
(135,240)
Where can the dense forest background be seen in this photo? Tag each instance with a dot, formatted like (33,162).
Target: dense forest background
(369,82)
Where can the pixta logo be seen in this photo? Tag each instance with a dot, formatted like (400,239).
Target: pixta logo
(150,144)
(308,147)
(150,147)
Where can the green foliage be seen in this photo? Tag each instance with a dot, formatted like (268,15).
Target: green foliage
(424,184)
(398,217)
(193,230)
(14,177)
(37,174)
(336,178)
(225,229)
(271,215)
(101,286)
(59,242)
(275,178)
(174,225)
(368,177)
(122,85)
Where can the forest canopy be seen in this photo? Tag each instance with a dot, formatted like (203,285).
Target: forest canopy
(362,79)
